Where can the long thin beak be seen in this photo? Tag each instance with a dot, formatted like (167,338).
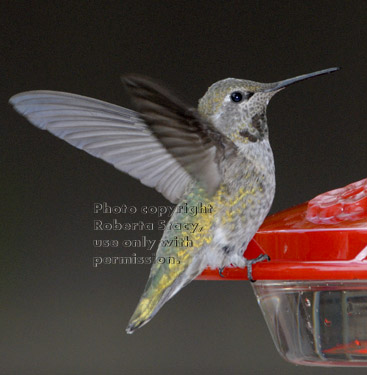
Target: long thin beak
(281,84)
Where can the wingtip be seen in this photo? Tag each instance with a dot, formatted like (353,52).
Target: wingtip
(12,100)
(16,98)
(16,101)
(131,79)
(123,79)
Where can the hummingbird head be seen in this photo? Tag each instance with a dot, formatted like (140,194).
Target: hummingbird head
(237,107)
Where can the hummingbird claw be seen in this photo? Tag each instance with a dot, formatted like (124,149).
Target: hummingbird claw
(221,272)
(251,262)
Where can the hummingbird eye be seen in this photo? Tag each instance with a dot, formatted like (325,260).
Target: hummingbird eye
(237,96)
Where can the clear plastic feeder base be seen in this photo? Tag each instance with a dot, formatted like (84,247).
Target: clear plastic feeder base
(316,323)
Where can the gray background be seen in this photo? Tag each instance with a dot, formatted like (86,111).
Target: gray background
(58,314)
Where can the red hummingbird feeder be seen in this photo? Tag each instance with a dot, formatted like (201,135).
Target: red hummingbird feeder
(313,292)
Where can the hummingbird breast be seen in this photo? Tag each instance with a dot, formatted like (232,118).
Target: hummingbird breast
(228,220)
(244,200)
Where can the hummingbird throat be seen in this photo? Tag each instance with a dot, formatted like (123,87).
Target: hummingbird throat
(253,131)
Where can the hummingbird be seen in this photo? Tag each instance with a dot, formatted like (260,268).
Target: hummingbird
(216,157)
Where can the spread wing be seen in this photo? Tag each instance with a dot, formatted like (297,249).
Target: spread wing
(166,146)
(193,141)
(112,133)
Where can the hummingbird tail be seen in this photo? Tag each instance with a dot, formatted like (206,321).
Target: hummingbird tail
(158,292)
(146,309)
(150,303)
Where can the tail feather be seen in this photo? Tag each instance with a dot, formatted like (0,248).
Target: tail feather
(158,292)
(147,308)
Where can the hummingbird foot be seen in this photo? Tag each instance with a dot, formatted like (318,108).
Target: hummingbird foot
(251,262)
(221,271)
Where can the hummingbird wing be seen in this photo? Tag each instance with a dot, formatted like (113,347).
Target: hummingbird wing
(107,131)
(193,141)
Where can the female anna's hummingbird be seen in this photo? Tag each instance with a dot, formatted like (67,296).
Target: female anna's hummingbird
(216,158)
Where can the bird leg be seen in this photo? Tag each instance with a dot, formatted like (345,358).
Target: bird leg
(221,272)
(251,262)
